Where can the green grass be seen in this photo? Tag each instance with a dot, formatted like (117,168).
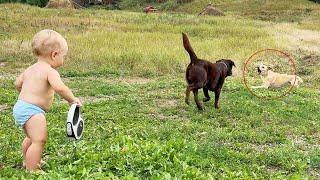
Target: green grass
(128,68)
(303,12)
(253,6)
(144,43)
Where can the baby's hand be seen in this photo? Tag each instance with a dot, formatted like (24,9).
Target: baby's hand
(76,101)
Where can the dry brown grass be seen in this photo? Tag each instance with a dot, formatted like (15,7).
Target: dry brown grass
(59,4)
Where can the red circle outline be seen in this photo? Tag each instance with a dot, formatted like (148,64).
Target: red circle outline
(292,60)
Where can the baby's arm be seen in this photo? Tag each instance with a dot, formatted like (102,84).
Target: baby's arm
(19,81)
(59,87)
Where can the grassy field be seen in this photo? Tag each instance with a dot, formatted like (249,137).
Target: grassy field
(305,13)
(128,68)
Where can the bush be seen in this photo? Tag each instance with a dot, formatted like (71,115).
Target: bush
(316,1)
(169,5)
(40,3)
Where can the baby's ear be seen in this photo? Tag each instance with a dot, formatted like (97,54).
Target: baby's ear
(54,54)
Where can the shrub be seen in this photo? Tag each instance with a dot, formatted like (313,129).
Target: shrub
(40,3)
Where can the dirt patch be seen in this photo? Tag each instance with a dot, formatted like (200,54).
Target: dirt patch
(91,99)
(273,169)
(133,80)
(2,64)
(315,173)
(262,147)
(163,117)
(301,143)
(59,4)
(298,39)
(121,80)
(306,40)
(167,103)
(312,59)
(307,67)
(211,10)
(94,99)
(4,108)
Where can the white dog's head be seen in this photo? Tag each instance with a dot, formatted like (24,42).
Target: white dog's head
(263,69)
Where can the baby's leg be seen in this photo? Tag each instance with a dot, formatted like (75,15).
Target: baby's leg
(36,129)
(25,145)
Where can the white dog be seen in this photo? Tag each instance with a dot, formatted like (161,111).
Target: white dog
(274,80)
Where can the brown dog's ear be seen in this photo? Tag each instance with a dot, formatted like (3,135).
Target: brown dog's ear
(269,68)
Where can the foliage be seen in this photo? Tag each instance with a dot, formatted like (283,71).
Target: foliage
(317,1)
(40,3)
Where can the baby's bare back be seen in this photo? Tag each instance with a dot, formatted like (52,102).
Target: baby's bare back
(36,88)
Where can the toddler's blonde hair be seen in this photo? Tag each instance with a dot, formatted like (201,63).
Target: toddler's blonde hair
(47,41)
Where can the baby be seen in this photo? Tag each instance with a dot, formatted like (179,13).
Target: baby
(37,85)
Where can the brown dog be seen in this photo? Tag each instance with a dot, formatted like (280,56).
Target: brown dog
(204,74)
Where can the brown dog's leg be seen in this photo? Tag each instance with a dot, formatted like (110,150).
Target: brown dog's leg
(194,88)
(216,98)
(186,99)
(195,93)
(206,94)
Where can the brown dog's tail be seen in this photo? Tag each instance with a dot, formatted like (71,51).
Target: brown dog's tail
(188,48)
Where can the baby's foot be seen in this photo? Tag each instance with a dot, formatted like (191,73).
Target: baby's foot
(42,162)
(38,171)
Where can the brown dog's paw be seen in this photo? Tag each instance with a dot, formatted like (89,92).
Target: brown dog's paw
(187,101)
(200,108)
(206,99)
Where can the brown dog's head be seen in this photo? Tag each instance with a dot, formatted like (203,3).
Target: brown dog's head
(229,64)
